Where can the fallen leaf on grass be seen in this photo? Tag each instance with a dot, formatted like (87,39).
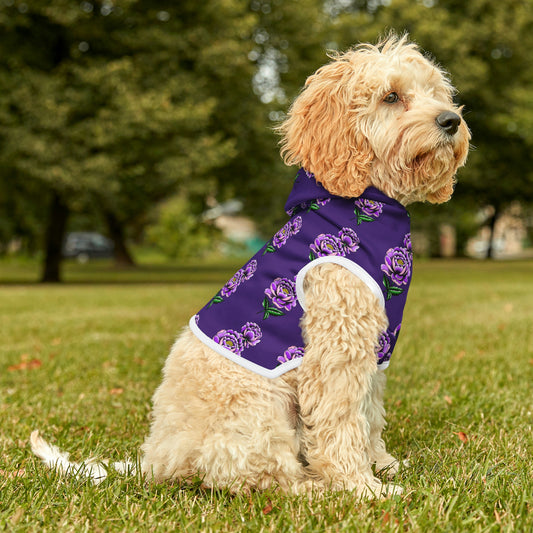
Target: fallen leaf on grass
(463,437)
(460,355)
(387,518)
(116,391)
(25,364)
(267,509)
(448,400)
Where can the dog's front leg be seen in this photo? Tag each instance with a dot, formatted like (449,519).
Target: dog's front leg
(384,461)
(341,326)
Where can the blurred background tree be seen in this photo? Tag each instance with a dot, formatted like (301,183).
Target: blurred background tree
(179,232)
(108,108)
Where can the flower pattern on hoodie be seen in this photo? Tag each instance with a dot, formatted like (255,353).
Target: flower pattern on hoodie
(255,317)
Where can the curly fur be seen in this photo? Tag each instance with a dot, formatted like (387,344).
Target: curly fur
(339,129)
(318,426)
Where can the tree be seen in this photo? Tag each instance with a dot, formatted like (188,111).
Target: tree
(105,105)
(286,45)
(119,106)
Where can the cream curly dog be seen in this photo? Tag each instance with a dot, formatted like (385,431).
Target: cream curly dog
(375,130)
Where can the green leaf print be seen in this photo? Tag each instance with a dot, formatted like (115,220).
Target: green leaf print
(361,217)
(392,290)
(269,311)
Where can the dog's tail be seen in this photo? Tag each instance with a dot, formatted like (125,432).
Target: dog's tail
(57,460)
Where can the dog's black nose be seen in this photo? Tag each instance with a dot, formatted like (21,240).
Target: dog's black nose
(449,122)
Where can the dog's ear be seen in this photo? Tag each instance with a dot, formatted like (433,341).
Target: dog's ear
(323,135)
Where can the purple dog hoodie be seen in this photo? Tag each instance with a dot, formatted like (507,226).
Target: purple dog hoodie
(254,319)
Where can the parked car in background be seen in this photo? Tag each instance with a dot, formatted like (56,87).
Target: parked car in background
(83,245)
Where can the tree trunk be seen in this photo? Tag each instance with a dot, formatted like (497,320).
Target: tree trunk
(492,226)
(55,235)
(116,233)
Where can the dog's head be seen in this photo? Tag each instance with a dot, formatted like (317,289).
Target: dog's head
(378,115)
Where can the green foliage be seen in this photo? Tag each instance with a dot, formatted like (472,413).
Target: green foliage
(119,106)
(179,233)
(108,105)
(113,112)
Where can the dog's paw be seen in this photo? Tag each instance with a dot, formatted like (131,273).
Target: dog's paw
(392,489)
(388,466)
(380,490)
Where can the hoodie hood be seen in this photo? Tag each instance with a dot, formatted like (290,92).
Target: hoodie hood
(306,190)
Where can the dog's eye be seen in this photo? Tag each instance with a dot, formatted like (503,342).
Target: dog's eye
(391,98)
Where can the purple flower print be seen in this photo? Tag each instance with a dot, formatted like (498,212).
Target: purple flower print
(282,293)
(349,239)
(239,277)
(232,284)
(295,225)
(280,238)
(236,341)
(397,269)
(397,265)
(383,348)
(249,270)
(230,339)
(367,210)
(251,334)
(326,244)
(369,207)
(407,241)
(314,205)
(292,352)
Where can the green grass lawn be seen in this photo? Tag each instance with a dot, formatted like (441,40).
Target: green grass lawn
(80,361)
